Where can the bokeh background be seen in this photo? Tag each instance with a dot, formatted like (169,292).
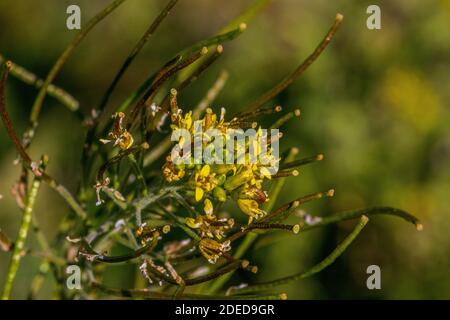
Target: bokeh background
(376,103)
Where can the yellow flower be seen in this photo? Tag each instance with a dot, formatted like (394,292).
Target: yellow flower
(180,122)
(119,134)
(126,140)
(209,226)
(251,208)
(238,180)
(171,172)
(204,180)
(208,207)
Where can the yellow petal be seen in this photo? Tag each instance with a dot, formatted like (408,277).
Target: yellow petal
(265,172)
(205,170)
(208,207)
(127,141)
(190,222)
(198,194)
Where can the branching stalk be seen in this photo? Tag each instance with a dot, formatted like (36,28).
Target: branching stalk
(316,269)
(272,93)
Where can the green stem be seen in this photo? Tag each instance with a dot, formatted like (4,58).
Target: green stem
(272,93)
(220,38)
(180,222)
(196,47)
(147,294)
(301,162)
(27,161)
(91,255)
(138,172)
(31,79)
(316,269)
(37,106)
(137,48)
(211,95)
(247,15)
(284,119)
(21,239)
(348,215)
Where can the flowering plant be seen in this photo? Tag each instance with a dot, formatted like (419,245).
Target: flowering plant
(171,218)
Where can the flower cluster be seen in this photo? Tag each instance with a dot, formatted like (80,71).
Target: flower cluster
(241,181)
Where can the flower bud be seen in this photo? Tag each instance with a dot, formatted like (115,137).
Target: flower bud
(238,180)
(220,194)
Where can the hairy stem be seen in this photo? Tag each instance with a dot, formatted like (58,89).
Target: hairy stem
(21,238)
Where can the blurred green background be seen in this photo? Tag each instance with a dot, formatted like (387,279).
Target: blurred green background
(376,103)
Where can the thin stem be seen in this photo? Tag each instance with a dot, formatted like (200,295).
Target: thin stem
(196,47)
(5,117)
(91,255)
(231,266)
(161,79)
(137,48)
(247,15)
(301,162)
(348,215)
(272,93)
(138,172)
(201,68)
(31,79)
(21,238)
(46,264)
(146,84)
(264,226)
(234,265)
(215,40)
(258,112)
(316,269)
(147,294)
(243,18)
(212,94)
(105,166)
(192,77)
(27,161)
(36,109)
(285,209)
(285,174)
(284,119)
(157,152)
(181,200)
(180,222)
